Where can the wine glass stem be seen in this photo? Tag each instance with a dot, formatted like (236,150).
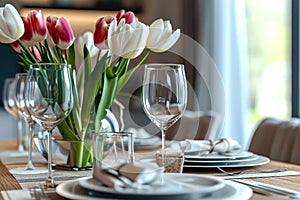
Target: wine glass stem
(20,134)
(50,181)
(163,153)
(30,134)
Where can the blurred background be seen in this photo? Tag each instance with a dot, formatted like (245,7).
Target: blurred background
(237,55)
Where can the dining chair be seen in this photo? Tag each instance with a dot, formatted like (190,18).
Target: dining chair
(277,139)
(197,125)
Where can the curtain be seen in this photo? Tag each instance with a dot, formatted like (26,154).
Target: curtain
(221,31)
(213,47)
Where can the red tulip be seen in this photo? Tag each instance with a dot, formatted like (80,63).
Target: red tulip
(128,16)
(101,30)
(102,26)
(61,31)
(16,46)
(120,14)
(38,25)
(27,37)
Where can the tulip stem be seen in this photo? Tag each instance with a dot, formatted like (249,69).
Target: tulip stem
(27,51)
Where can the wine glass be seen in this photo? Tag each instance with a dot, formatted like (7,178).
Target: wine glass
(49,100)
(20,98)
(11,107)
(164,96)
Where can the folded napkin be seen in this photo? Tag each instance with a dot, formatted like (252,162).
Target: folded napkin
(223,146)
(128,175)
(16,194)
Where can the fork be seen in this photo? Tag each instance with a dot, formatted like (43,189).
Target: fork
(249,171)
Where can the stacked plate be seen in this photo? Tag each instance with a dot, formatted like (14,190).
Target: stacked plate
(242,159)
(174,186)
(147,143)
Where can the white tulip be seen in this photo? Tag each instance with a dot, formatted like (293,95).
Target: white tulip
(161,36)
(127,40)
(11,24)
(87,39)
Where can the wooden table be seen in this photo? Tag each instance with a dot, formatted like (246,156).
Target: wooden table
(8,182)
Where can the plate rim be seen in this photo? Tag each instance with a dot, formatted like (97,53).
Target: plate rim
(60,190)
(262,160)
(186,191)
(220,157)
(251,158)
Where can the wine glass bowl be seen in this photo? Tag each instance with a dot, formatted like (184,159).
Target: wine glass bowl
(20,96)
(49,100)
(162,111)
(8,98)
(164,96)
(20,99)
(10,106)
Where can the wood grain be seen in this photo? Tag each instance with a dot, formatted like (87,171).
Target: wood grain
(7,181)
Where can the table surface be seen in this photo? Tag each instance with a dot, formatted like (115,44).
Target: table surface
(9,182)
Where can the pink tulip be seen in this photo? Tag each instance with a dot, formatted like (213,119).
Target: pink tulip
(120,14)
(101,30)
(102,26)
(38,25)
(27,37)
(61,31)
(128,16)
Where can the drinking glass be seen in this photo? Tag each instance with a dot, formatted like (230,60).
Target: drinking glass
(164,96)
(49,100)
(20,98)
(112,149)
(11,107)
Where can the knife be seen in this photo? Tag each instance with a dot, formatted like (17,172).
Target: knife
(270,189)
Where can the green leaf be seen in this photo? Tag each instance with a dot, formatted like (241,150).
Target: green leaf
(71,56)
(91,87)
(87,63)
(76,113)
(108,94)
(66,132)
(124,79)
(122,68)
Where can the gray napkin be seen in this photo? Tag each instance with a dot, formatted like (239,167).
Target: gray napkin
(128,175)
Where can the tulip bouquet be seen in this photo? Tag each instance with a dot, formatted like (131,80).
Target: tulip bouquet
(106,56)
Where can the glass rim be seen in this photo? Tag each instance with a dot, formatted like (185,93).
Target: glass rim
(112,133)
(61,65)
(157,66)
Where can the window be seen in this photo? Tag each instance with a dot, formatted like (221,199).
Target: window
(269,50)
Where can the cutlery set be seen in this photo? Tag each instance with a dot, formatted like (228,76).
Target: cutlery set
(269,189)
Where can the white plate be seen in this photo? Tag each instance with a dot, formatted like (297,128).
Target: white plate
(173,184)
(216,156)
(147,143)
(260,161)
(72,190)
(251,158)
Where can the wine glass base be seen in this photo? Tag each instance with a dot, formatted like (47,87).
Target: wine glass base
(13,154)
(50,185)
(23,170)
